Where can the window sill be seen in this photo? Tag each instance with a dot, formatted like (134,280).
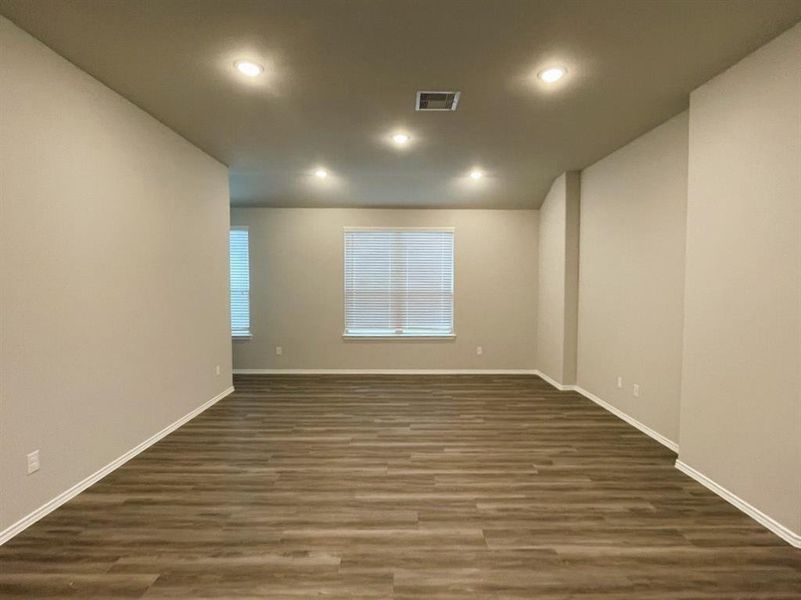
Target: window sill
(241,337)
(398,337)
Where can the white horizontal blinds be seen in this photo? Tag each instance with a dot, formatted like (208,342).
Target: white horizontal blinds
(240,282)
(369,303)
(398,282)
(428,293)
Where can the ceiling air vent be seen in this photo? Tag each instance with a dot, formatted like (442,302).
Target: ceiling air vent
(437,100)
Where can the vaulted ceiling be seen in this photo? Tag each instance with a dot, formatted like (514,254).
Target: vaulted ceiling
(341,76)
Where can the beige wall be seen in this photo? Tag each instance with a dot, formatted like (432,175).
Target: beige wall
(631,276)
(557,306)
(741,390)
(113,246)
(297,291)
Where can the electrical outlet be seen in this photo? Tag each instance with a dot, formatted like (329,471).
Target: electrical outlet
(620,383)
(479,350)
(279,350)
(217,370)
(636,390)
(33,462)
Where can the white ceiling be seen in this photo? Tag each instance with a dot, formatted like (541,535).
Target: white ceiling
(341,76)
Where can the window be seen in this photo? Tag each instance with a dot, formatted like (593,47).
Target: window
(240,282)
(398,282)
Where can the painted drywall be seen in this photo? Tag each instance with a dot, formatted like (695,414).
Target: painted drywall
(631,276)
(741,388)
(297,291)
(113,263)
(557,306)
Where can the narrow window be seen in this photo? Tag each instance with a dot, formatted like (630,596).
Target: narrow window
(240,282)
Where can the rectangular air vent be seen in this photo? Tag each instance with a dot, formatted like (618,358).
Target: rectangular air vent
(437,100)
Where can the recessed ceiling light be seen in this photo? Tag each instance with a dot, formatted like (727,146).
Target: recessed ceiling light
(249,68)
(321,173)
(476,174)
(401,139)
(552,74)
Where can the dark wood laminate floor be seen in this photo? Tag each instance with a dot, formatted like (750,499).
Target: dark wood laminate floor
(400,487)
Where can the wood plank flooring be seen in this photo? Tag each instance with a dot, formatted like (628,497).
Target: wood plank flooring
(436,487)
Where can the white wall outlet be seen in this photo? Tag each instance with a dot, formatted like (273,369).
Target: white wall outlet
(33,462)
(279,350)
(217,370)
(479,350)
(620,383)
(636,390)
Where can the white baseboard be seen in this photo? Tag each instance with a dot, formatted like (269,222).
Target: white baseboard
(559,386)
(789,536)
(76,489)
(385,372)
(668,443)
(564,388)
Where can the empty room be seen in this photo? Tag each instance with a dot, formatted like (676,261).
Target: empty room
(400,299)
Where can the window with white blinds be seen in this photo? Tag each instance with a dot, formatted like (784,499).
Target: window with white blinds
(240,282)
(398,282)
